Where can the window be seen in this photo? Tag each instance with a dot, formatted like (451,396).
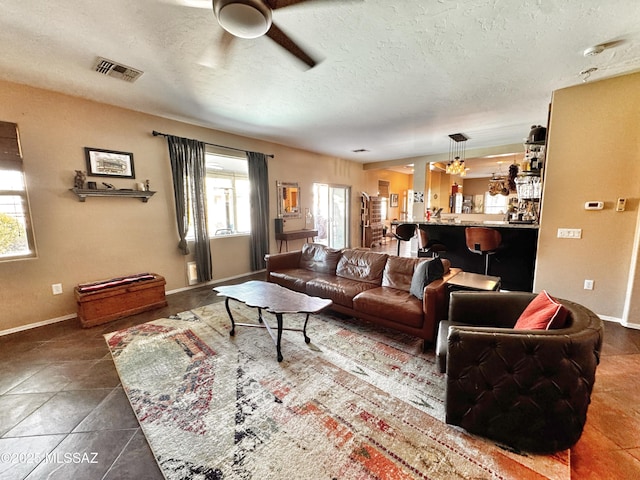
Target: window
(16,235)
(496,203)
(383,193)
(227,191)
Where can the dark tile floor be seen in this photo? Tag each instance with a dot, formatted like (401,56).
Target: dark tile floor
(60,395)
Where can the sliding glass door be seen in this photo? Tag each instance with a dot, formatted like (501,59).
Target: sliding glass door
(331,214)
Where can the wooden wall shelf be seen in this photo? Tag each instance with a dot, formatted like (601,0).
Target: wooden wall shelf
(84,193)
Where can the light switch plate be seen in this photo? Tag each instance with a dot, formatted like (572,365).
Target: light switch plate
(620,205)
(574,233)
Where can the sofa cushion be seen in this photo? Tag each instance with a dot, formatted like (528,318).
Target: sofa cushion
(340,290)
(392,304)
(293,278)
(543,313)
(362,265)
(425,273)
(398,272)
(319,258)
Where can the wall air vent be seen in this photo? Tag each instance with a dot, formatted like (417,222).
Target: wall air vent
(116,70)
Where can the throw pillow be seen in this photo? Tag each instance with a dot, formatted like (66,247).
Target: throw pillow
(543,313)
(425,273)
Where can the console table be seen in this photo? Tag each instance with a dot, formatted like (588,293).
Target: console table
(295,235)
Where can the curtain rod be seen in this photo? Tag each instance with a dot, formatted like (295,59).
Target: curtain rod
(156,134)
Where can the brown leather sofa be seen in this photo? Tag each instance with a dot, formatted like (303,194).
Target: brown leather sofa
(368,285)
(528,389)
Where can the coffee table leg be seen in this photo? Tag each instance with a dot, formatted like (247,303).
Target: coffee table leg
(279,318)
(304,330)
(233,325)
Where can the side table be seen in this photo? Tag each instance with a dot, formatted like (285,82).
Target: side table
(473,282)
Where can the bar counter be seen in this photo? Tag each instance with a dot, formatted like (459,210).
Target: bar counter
(514,262)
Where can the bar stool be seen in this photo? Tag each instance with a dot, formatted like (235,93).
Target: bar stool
(426,246)
(404,232)
(483,241)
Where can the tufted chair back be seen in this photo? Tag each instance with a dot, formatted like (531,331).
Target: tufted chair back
(529,389)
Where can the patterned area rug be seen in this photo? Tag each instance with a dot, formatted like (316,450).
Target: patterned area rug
(356,403)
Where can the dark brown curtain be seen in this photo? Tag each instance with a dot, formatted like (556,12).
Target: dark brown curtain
(189,174)
(259,199)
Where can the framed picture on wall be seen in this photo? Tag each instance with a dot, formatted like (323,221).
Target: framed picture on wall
(393,200)
(109,163)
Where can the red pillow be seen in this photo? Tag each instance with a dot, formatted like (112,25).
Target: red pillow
(543,313)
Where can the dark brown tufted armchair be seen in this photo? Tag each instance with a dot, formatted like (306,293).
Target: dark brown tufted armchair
(528,389)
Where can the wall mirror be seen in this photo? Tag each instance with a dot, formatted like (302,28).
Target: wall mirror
(288,200)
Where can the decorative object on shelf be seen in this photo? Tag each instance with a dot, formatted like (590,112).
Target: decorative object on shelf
(92,185)
(529,179)
(498,185)
(79,179)
(109,163)
(537,135)
(513,173)
(103,192)
(147,185)
(457,149)
(308,219)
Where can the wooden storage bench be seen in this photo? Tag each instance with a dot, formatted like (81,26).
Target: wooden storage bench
(111,300)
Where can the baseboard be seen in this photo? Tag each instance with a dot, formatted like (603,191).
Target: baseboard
(43,323)
(634,326)
(611,319)
(214,282)
(69,316)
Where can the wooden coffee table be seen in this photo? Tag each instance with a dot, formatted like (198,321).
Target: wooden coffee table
(274,299)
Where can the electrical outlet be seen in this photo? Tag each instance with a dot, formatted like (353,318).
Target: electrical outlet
(56,289)
(570,233)
(588,284)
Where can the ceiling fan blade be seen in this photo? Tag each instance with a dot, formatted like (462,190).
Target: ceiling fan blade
(274,4)
(289,45)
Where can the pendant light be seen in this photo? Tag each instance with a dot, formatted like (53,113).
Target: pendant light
(457,149)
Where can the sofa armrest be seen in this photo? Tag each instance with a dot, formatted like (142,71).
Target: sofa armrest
(282,261)
(435,302)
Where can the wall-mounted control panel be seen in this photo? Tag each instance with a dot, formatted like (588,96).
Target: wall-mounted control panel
(570,233)
(620,204)
(594,205)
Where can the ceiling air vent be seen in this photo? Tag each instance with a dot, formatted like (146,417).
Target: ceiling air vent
(116,70)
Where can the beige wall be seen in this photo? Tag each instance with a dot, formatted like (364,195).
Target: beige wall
(475,186)
(593,154)
(106,237)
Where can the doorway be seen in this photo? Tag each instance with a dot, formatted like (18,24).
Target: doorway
(331,214)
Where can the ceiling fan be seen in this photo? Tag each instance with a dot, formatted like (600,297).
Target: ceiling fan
(253,18)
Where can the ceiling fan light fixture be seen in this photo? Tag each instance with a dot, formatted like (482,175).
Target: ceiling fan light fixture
(244,19)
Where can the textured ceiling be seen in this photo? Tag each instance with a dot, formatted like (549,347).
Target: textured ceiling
(395,79)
